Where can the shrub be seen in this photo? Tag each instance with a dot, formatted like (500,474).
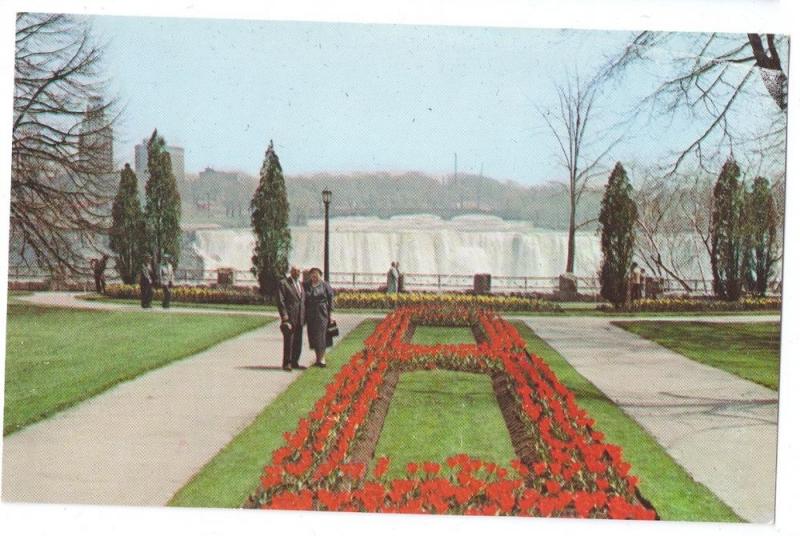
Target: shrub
(617,218)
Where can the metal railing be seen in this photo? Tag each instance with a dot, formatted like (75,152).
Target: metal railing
(587,285)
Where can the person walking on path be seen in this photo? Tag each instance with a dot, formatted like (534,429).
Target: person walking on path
(167,280)
(292,308)
(392,278)
(146,278)
(98,269)
(319,306)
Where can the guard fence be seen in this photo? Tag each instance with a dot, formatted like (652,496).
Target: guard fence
(588,286)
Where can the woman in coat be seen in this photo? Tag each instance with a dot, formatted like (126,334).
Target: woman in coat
(319,304)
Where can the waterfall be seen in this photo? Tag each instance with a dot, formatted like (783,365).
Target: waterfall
(421,243)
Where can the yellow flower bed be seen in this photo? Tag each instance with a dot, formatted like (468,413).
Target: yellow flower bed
(344,299)
(382,300)
(192,294)
(681,304)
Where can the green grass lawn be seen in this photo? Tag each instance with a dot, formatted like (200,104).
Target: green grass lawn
(228,479)
(748,350)
(433,335)
(57,357)
(673,493)
(435,414)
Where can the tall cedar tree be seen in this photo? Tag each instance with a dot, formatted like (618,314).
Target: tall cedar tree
(617,219)
(761,221)
(269,212)
(127,236)
(727,233)
(162,211)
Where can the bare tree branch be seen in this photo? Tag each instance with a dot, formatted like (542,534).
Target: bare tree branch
(703,77)
(62,165)
(570,126)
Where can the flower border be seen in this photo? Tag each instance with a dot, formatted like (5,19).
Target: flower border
(564,468)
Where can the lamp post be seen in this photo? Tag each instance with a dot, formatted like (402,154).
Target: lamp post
(326,199)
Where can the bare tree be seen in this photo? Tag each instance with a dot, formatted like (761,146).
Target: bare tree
(711,77)
(61,184)
(569,126)
(673,236)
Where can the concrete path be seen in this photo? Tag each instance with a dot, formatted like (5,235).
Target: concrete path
(139,442)
(69,299)
(720,428)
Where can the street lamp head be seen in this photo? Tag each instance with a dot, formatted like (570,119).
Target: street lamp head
(326,196)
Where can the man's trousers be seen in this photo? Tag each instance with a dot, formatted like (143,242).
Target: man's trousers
(293,345)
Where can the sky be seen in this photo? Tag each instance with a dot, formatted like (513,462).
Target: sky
(355,97)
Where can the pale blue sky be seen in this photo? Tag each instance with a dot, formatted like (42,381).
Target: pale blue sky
(343,97)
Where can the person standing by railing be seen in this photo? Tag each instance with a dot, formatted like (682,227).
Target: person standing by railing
(636,282)
(400,277)
(392,279)
(98,269)
(167,280)
(146,278)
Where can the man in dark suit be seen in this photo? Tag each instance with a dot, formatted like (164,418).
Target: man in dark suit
(291,306)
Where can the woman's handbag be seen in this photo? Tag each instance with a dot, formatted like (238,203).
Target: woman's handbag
(333,329)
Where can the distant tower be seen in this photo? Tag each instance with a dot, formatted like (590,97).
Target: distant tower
(175,155)
(96,140)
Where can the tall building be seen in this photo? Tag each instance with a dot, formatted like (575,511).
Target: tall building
(176,157)
(96,140)
(231,189)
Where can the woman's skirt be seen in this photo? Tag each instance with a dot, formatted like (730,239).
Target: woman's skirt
(318,331)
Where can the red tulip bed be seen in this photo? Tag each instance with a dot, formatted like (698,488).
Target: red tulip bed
(563,469)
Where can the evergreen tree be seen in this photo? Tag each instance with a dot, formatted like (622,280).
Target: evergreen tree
(748,241)
(617,219)
(127,236)
(727,233)
(761,229)
(162,204)
(269,211)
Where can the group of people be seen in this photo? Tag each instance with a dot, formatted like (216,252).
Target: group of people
(148,280)
(300,303)
(305,303)
(393,278)
(640,285)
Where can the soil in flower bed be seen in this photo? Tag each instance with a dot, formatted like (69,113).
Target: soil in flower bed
(364,448)
(520,438)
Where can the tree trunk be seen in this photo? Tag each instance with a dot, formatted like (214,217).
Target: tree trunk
(571,238)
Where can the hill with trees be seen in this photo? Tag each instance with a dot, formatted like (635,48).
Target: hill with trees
(384,194)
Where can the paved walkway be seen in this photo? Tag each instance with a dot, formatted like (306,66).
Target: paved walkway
(139,442)
(67,299)
(720,428)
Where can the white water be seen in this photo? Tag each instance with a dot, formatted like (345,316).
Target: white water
(421,243)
